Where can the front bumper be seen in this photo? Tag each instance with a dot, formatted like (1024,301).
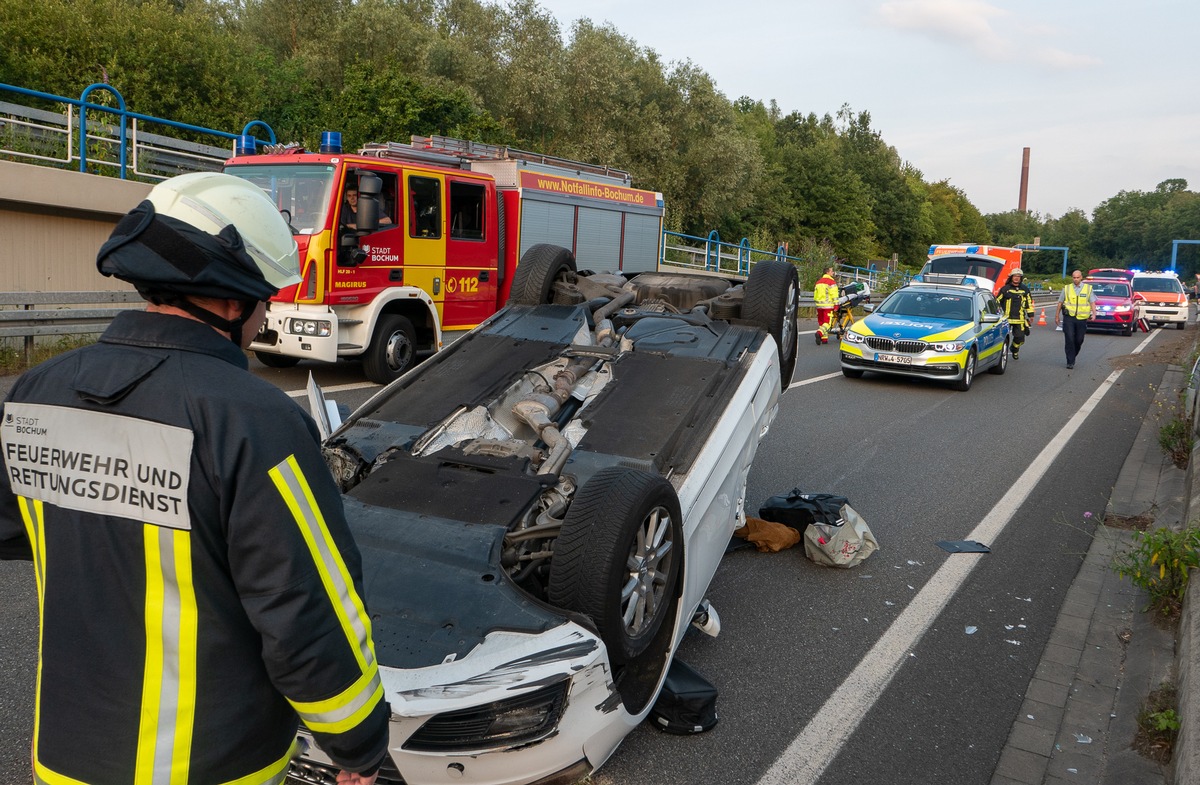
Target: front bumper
(926,365)
(1112,320)
(592,722)
(1162,313)
(307,332)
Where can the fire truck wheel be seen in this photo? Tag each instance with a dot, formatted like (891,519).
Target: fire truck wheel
(772,296)
(276,360)
(540,267)
(618,557)
(392,349)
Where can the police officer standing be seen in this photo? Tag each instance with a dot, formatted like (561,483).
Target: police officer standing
(1074,311)
(199,590)
(1016,300)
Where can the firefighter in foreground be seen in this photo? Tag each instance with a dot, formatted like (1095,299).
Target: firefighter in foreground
(825,295)
(1016,301)
(198,586)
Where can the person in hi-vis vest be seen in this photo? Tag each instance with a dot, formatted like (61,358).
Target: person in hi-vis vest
(1076,305)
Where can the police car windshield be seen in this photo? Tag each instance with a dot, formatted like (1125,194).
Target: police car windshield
(927,304)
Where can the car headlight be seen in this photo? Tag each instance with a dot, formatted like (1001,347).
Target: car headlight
(852,337)
(952,347)
(506,723)
(1123,308)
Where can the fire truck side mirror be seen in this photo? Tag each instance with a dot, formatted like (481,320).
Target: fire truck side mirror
(369,188)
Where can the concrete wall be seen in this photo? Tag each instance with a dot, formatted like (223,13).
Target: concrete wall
(53,221)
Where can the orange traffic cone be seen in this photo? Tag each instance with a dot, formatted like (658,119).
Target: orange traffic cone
(1042,319)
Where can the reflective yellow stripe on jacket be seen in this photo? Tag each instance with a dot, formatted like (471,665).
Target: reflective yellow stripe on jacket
(348,708)
(1078,304)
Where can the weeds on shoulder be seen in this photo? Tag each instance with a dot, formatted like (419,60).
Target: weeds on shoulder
(1158,562)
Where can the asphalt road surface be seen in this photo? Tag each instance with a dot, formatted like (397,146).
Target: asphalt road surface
(909,668)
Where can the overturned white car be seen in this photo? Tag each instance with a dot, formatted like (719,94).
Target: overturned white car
(541,507)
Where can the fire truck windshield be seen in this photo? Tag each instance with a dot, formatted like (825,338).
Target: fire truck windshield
(300,191)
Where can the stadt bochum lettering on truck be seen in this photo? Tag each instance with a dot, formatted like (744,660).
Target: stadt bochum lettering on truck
(430,245)
(987,266)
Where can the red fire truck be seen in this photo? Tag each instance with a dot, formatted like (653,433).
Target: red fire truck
(428,246)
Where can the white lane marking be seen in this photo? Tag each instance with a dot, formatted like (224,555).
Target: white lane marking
(334,389)
(807,757)
(814,379)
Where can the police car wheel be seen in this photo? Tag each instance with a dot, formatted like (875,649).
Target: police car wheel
(964,384)
(1001,364)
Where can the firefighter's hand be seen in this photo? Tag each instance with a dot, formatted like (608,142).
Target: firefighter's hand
(350,778)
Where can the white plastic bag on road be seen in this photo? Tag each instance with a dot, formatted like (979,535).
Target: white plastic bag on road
(841,544)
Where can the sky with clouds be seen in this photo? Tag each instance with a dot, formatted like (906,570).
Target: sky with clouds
(1106,95)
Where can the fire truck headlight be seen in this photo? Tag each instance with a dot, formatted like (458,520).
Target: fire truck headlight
(309,327)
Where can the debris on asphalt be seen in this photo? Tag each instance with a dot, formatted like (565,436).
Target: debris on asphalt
(963,546)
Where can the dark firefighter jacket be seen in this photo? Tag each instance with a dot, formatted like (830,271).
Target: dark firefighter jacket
(1017,303)
(198,587)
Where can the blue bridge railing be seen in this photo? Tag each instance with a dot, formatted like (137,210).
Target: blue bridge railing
(122,145)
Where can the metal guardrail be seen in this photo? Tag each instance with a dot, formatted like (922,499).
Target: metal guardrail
(31,315)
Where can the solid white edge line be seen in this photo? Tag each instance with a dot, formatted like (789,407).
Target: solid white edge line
(810,753)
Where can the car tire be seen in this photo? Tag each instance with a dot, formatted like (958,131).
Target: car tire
(617,558)
(392,351)
(276,360)
(772,297)
(540,267)
(964,384)
(1128,331)
(1179,325)
(1001,365)
(852,373)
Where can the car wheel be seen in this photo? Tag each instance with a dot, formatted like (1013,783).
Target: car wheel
(392,350)
(964,384)
(1128,331)
(852,373)
(772,296)
(617,557)
(1001,364)
(540,267)
(276,360)
(1179,325)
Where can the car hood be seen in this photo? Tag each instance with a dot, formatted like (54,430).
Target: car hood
(434,587)
(921,328)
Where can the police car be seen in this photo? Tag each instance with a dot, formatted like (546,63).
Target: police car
(541,506)
(943,328)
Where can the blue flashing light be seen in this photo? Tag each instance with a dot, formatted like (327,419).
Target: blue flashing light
(246,145)
(331,141)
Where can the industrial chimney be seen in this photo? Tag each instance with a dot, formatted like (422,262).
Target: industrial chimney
(1024,181)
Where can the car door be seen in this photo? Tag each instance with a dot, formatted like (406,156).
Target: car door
(991,334)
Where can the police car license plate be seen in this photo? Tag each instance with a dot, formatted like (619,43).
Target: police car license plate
(898,359)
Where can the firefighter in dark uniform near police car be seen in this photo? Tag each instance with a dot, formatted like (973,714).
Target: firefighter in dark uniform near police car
(1016,301)
(199,591)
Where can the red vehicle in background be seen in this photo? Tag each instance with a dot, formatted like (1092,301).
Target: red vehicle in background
(405,246)
(985,266)
(1115,307)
